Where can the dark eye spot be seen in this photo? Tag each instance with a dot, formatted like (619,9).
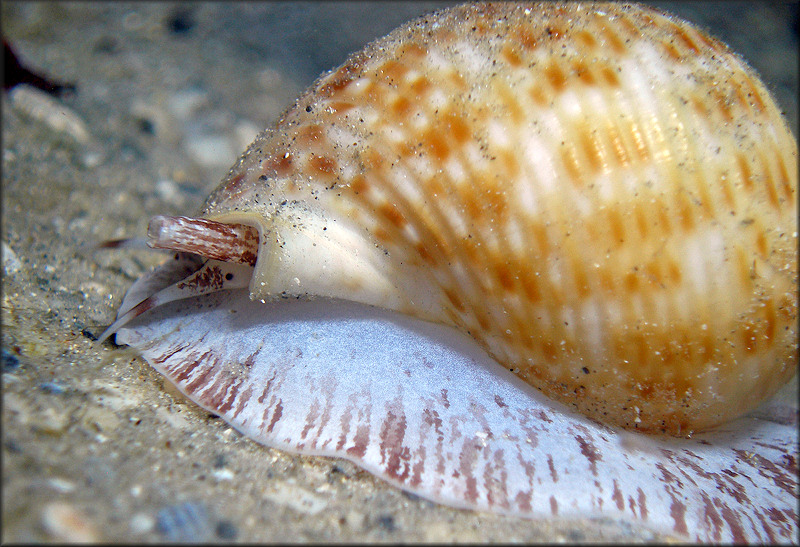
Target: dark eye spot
(229,276)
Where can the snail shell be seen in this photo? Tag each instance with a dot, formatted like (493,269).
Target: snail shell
(603,196)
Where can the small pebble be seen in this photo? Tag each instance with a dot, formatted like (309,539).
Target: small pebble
(187,522)
(173,417)
(61,485)
(437,532)
(185,104)
(244,133)
(52,388)
(66,523)
(296,498)
(57,116)
(169,192)
(11,264)
(12,446)
(211,150)
(49,421)
(116,396)
(353,519)
(223,474)
(269,78)
(181,22)
(226,530)
(146,126)
(10,361)
(132,21)
(576,536)
(99,419)
(387,522)
(92,158)
(141,523)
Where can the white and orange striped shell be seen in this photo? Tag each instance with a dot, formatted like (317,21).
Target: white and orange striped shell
(603,196)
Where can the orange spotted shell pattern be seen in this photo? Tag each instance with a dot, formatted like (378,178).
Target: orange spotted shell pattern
(603,196)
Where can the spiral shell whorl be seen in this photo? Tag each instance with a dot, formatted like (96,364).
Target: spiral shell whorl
(602,195)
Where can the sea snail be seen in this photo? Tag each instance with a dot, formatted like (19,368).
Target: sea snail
(601,195)
(604,197)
